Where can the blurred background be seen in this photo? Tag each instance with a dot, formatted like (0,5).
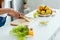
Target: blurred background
(27,6)
(21,6)
(32,4)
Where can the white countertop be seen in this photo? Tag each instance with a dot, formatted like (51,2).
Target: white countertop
(40,33)
(44,33)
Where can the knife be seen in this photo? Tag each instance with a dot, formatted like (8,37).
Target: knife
(27,18)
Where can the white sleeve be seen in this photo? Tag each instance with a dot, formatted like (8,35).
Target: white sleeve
(3,15)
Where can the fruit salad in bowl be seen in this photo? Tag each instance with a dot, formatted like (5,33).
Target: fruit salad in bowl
(43,11)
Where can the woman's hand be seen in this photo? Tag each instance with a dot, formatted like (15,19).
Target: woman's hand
(15,14)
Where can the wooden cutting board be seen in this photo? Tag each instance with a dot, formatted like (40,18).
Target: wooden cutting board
(20,21)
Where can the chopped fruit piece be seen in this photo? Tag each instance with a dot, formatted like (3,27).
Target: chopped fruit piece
(48,12)
(46,8)
(41,8)
(35,14)
(42,12)
(43,22)
(31,32)
(38,11)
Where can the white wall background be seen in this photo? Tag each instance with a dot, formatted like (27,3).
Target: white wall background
(53,3)
(33,4)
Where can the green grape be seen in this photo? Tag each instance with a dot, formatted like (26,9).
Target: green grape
(48,12)
(20,38)
(20,32)
(35,14)
(38,11)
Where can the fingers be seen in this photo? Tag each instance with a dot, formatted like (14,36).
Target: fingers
(21,15)
(16,14)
